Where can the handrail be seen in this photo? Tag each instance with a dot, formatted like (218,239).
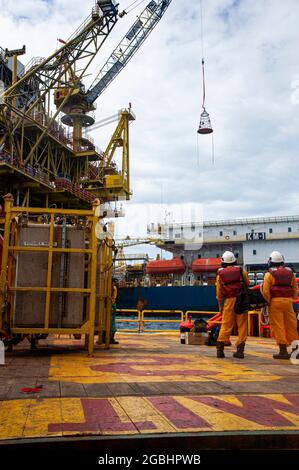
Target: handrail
(199,312)
(134,320)
(143,321)
(253,220)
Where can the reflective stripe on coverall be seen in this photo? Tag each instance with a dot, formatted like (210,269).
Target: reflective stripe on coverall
(228,315)
(282,317)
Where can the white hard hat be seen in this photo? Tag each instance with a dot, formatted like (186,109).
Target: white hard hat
(276,257)
(228,257)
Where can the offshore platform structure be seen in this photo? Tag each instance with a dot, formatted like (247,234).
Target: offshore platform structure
(54,277)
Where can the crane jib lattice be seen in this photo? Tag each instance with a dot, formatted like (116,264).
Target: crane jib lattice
(128,46)
(41,135)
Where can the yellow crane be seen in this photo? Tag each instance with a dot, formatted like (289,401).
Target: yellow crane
(55,273)
(44,156)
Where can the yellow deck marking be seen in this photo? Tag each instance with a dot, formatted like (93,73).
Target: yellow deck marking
(81,370)
(71,411)
(123,416)
(223,421)
(33,418)
(144,343)
(13,416)
(140,410)
(38,418)
(260,354)
(219,420)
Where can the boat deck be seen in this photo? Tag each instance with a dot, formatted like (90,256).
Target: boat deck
(146,385)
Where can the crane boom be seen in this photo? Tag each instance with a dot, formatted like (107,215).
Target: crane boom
(41,135)
(45,74)
(125,50)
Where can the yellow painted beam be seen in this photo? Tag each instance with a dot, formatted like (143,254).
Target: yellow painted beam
(50,289)
(92,285)
(55,331)
(48,249)
(46,210)
(4,262)
(49,273)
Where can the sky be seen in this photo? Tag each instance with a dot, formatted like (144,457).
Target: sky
(252,95)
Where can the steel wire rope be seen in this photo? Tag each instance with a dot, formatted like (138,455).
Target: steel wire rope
(130,4)
(204,82)
(202,55)
(136,6)
(197,149)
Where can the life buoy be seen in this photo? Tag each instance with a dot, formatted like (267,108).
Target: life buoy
(226,237)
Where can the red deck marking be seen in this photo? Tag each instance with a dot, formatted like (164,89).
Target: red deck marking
(100,416)
(122,367)
(31,389)
(258,409)
(178,414)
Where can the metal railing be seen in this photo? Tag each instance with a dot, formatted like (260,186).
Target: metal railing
(128,320)
(204,313)
(245,221)
(141,320)
(160,320)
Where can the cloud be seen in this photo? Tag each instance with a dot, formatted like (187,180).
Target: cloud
(252,76)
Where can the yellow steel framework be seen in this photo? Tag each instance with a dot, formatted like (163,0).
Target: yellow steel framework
(105,292)
(56,174)
(108,183)
(9,288)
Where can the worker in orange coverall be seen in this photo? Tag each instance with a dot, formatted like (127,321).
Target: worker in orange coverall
(279,289)
(228,286)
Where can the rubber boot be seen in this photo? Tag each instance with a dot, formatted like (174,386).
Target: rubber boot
(33,343)
(283,352)
(112,340)
(240,351)
(220,349)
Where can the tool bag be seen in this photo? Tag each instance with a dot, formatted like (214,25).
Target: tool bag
(242,304)
(249,299)
(213,336)
(256,299)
